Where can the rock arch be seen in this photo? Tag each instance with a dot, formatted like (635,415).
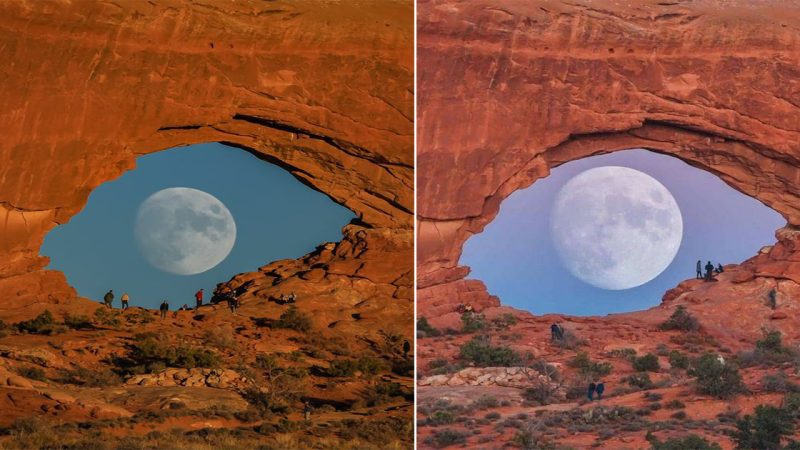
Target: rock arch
(323,90)
(549,82)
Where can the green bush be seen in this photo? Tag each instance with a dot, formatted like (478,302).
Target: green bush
(480,351)
(151,354)
(590,368)
(41,324)
(384,392)
(505,321)
(763,430)
(678,360)
(689,442)
(294,319)
(425,327)
(778,382)
(769,351)
(639,380)
(348,367)
(77,322)
(33,373)
(445,438)
(92,378)
(472,322)
(107,317)
(716,378)
(646,363)
(485,402)
(681,320)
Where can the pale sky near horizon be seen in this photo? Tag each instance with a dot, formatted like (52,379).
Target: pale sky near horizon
(276,217)
(517,260)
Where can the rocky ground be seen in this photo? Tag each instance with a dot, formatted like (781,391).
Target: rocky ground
(81,376)
(493,378)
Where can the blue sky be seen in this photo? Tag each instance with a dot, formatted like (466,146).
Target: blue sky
(516,258)
(276,217)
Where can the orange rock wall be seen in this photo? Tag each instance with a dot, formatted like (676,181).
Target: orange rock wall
(545,82)
(323,89)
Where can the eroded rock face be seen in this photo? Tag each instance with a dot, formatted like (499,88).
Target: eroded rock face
(323,90)
(547,82)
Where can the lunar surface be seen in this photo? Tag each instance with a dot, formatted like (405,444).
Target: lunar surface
(184,231)
(615,227)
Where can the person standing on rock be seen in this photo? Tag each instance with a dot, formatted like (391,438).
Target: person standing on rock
(720,269)
(306,411)
(164,308)
(108,299)
(709,271)
(198,296)
(406,349)
(125,298)
(556,332)
(233,302)
(699,269)
(599,389)
(590,392)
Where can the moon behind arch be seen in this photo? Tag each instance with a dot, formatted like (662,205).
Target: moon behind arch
(184,231)
(615,227)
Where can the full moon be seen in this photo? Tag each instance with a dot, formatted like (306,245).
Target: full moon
(184,231)
(616,228)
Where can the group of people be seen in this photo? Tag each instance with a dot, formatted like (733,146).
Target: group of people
(596,389)
(710,270)
(108,299)
(231,297)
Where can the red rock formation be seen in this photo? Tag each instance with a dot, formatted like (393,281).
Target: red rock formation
(546,82)
(323,90)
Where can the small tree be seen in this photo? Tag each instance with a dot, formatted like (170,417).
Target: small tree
(681,320)
(425,327)
(646,363)
(472,322)
(294,319)
(764,430)
(590,368)
(716,377)
(480,351)
(689,442)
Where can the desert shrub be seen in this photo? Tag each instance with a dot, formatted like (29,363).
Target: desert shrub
(33,373)
(472,322)
(445,438)
(441,366)
(678,415)
(81,376)
(220,337)
(717,378)
(689,442)
(694,342)
(384,392)
(494,415)
(107,317)
(293,319)
(348,367)
(768,351)
(532,437)
(77,322)
(678,360)
(41,324)
(403,367)
(681,320)
(778,382)
(624,353)
(646,363)
(542,392)
(485,402)
(569,341)
(480,351)
(151,354)
(639,380)
(441,417)
(425,327)
(675,404)
(763,430)
(505,321)
(590,368)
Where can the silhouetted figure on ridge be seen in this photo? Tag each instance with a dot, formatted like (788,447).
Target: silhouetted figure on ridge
(108,299)
(590,392)
(233,302)
(699,269)
(198,297)
(164,308)
(709,271)
(306,410)
(125,297)
(720,269)
(406,349)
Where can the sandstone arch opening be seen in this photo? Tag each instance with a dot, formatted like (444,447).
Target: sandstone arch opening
(516,258)
(275,215)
